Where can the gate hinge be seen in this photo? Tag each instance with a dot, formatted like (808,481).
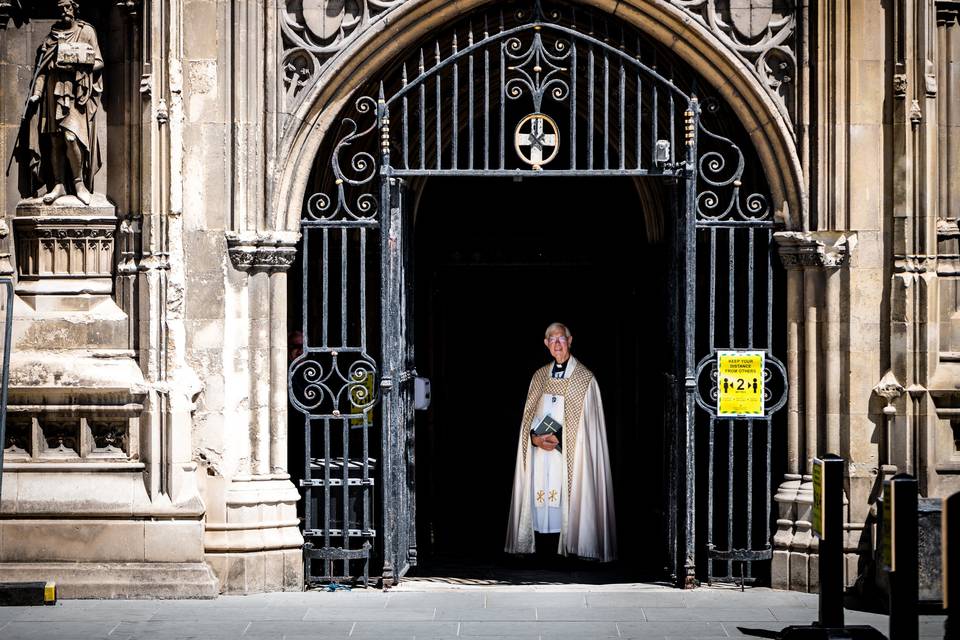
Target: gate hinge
(386,383)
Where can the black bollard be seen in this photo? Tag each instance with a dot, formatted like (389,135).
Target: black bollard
(831,537)
(950,549)
(900,557)
(828,527)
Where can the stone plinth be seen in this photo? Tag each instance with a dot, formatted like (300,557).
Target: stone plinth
(252,537)
(80,504)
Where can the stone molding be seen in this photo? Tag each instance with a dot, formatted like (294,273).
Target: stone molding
(806,249)
(270,251)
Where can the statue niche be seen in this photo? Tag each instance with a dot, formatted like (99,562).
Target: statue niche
(57,145)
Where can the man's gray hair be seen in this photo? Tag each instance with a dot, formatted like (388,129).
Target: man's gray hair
(554,327)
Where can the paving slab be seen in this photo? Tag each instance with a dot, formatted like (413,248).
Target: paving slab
(513,600)
(46,630)
(675,628)
(616,614)
(697,613)
(528,614)
(374,614)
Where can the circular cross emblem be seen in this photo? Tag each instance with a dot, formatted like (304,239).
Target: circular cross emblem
(537,140)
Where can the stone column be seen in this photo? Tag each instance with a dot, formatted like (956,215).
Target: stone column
(252,537)
(811,260)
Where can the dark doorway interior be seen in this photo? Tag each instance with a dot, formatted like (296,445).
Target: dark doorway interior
(495,262)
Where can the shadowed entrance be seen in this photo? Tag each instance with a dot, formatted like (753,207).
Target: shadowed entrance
(491,274)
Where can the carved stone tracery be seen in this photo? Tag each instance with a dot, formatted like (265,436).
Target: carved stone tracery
(763,35)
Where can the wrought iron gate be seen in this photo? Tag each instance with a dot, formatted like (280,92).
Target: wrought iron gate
(529,90)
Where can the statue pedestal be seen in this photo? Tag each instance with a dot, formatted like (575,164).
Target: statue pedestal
(80,488)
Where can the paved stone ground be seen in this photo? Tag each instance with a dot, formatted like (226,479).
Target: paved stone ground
(424,610)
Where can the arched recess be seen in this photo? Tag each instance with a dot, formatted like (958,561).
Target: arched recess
(378,48)
(339,378)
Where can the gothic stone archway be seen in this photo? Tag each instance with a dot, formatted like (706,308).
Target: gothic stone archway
(496,95)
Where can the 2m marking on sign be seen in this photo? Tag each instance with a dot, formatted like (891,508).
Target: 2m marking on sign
(740,384)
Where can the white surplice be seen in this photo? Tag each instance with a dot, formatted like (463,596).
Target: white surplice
(587,523)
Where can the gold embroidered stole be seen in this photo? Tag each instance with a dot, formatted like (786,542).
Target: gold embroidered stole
(573,390)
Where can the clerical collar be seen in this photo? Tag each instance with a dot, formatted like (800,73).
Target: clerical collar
(559,369)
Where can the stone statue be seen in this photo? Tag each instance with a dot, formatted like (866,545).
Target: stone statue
(62,149)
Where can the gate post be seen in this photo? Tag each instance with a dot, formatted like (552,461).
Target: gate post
(692,120)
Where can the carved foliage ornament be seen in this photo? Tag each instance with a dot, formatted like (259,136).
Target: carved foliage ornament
(271,251)
(762,33)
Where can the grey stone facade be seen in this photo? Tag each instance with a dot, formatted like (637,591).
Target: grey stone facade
(147,434)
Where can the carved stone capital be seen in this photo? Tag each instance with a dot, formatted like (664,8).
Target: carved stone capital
(948,12)
(900,85)
(804,250)
(269,250)
(947,229)
(889,388)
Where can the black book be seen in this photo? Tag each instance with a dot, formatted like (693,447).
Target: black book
(549,426)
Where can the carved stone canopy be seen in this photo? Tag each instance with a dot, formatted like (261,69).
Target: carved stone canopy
(268,250)
(803,249)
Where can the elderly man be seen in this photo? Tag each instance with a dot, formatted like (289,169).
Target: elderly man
(562,487)
(66,90)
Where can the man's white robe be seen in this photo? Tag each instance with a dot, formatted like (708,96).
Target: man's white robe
(587,520)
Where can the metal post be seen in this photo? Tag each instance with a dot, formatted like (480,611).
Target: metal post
(831,539)
(900,554)
(828,475)
(950,549)
(7,292)
(692,116)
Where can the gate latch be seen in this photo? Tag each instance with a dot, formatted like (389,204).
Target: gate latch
(421,393)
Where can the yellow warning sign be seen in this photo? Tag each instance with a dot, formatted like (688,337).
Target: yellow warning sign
(740,383)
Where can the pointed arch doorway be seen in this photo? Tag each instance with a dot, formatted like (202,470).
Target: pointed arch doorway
(532,94)
(516,256)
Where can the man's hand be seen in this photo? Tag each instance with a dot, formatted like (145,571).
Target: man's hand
(35,98)
(547,442)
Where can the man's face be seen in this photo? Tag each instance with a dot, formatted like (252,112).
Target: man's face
(559,345)
(67,12)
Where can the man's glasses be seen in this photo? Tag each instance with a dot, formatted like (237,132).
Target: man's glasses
(556,339)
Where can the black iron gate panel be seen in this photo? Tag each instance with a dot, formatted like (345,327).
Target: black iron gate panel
(335,381)
(733,314)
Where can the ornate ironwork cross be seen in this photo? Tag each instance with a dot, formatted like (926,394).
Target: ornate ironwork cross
(542,136)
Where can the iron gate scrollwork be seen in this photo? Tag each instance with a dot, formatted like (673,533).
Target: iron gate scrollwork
(734,236)
(527,90)
(335,381)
